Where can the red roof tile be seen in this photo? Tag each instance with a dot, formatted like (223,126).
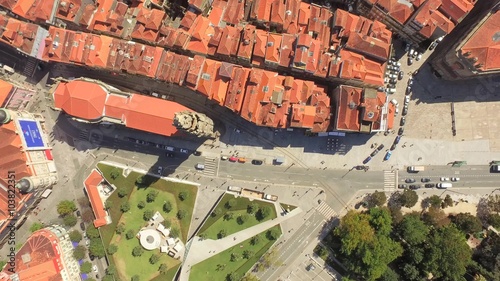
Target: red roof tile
(260,46)
(228,45)
(245,48)
(194,72)
(483,47)
(173,68)
(215,16)
(234,12)
(168,36)
(207,77)
(431,19)
(101,15)
(35,10)
(273,48)
(221,82)
(98,51)
(80,99)
(291,13)
(91,187)
(399,11)
(287,50)
(349,99)
(261,10)
(304,42)
(277,16)
(214,41)
(19,34)
(368,46)
(314,19)
(313,56)
(456,9)
(188,21)
(323,65)
(302,116)
(236,89)
(8,4)
(304,15)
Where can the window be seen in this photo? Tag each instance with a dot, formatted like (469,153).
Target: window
(205,76)
(265,89)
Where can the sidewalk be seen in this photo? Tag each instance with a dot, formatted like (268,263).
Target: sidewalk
(204,249)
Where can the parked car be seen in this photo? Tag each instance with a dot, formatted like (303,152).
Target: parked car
(91,257)
(433,45)
(387,155)
(410,61)
(87,242)
(407,99)
(403,121)
(401,131)
(397,139)
(455,179)
(223,158)
(374,153)
(425,180)
(94,268)
(415,186)
(405,110)
(429,185)
(78,213)
(395,102)
(393,81)
(367,160)
(242,160)
(380,147)
(200,167)
(419,56)
(410,180)
(170,155)
(401,75)
(160,169)
(444,179)
(408,90)
(82,226)
(197,153)
(182,150)
(393,146)
(257,162)
(410,81)
(402,186)
(233,159)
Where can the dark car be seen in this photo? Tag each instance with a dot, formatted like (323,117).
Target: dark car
(393,81)
(78,213)
(91,257)
(367,160)
(397,139)
(197,153)
(429,185)
(82,226)
(402,186)
(391,86)
(401,131)
(414,186)
(408,90)
(433,45)
(400,75)
(360,167)
(405,110)
(402,122)
(380,147)
(425,179)
(410,61)
(170,155)
(393,146)
(257,162)
(409,180)
(374,152)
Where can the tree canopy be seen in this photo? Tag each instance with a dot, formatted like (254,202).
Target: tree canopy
(66,207)
(412,229)
(408,198)
(467,223)
(377,199)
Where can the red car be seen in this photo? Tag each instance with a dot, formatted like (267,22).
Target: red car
(233,159)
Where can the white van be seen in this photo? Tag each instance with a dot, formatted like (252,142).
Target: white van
(200,166)
(444,185)
(395,102)
(169,148)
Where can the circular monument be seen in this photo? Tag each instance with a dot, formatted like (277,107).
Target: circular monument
(150,239)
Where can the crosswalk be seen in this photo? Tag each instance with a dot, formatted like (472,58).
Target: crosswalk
(29,68)
(83,135)
(326,210)
(390,179)
(210,166)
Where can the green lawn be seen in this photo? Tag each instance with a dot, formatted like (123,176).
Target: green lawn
(214,224)
(133,220)
(219,266)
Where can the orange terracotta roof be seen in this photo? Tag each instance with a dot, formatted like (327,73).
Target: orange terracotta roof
(236,89)
(259,49)
(277,16)
(456,9)
(173,68)
(5,90)
(194,72)
(234,12)
(54,44)
(196,4)
(400,12)
(313,56)
(167,36)
(223,73)
(290,23)
(216,13)
(431,19)
(368,46)
(207,77)
(304,14)
(200,36)
(68,11)
(99,51)
(91,187)
(304,42)
(35,10)
(349,99)
(214,41)
(323,65)
(272,115)
(245,48)
(8,4)
(252,96)
(261,10)
(391,116)
(188,20)
(483,47)
(80,99)
(20,35)
(228,45)
(314,19)
(101,14)
(287,49)
(273,48)
(302,116)
(182,40)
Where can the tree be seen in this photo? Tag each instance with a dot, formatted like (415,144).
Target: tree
(408,198)
(70,220)
(273,234)
(228,216)
(181,214)
(154,259)
(112,249)
(248,254)
(86,267)
(467,223)
(250,277)
(120,228)
(125,207)
(130,234)
(494,220)
(448,202)
(79,252)
(167,207)
(390,275)
(174,232)
(108,204)
(122,192)
(411,272)
(36,226)
(141,204)
(233,276)
(434,201)
(151,197)
(66,207)
(222,233)
(167,223)
(488,253)
(108,278)
(243,219)
(163,269)
(87,216)
(263,213)
(436,217)
(494,203)
(234,257)
(217,212)
(381,220)
(111,270)
(252,208)
(135,278)
(115,173)
(96,248)
(75,236)
(447,254)
(412,229)
(230,203)
(255,240)
(137,251)
(377,199)
(140,181)
(92,232)
(183,195)
(148,214)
